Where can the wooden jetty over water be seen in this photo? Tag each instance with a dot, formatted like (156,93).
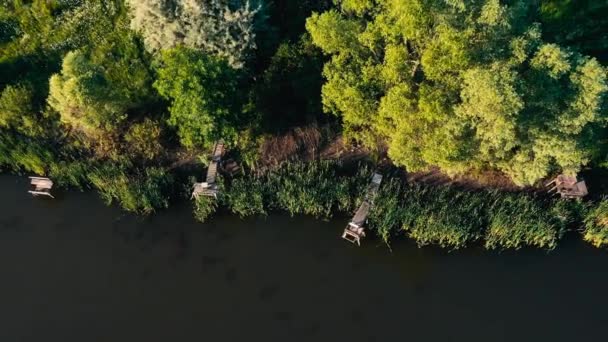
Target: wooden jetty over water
(568,187)
(209,186)
(355,230)
(41,186)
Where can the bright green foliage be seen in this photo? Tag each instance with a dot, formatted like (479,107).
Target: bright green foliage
(460,85)
(84,98)
(99,84)
(204,96)
(596,225)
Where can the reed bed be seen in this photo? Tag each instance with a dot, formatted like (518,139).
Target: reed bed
(445,216)
(596,225)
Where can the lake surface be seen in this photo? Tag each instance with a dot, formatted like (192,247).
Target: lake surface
(73,269)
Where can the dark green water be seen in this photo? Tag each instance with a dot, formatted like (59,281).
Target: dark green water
(73,269)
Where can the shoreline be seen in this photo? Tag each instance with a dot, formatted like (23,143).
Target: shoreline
(446,216)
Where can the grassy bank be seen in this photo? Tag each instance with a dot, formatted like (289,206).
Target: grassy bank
(446,216)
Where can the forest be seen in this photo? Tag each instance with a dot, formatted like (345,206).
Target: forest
(128,96)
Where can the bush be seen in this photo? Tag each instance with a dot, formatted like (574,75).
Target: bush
(596,225)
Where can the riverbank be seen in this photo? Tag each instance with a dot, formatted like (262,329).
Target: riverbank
(449,216)
(446,216)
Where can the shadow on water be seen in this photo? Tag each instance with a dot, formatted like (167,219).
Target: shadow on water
(76,270)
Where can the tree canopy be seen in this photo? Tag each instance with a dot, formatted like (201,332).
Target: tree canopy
(460,84)
(223,28)
(203,93)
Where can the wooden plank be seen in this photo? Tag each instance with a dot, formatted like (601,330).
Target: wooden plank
(212,172)
(361,215)
(218,151)
(40,193)
(42,182)
(355,228)
(41,178)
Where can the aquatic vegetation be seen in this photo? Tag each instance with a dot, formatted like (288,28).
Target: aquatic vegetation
(596,225)
(140,193)
(319,189)
(516,221)
(446,216)
(454,218)
(204,207)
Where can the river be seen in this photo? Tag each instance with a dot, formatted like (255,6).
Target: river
(73,269)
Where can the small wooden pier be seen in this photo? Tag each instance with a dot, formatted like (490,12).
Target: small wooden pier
(568,187)
(41,186)
(355,230)
(209,187)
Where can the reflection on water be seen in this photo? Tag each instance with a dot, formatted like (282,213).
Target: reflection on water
(76,270)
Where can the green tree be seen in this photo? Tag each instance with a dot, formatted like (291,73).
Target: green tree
(84,98)
(204,96)
(460,85)
(288,94)
(18,111)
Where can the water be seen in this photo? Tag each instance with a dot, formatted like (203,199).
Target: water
(73,269)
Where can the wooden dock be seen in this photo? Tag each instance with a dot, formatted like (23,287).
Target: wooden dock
(568,187)
(41,186)
(355,230)
(209,186)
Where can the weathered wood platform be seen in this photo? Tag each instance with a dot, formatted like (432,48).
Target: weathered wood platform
(41,186)
(355,230)
(209,187)
(568,187)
